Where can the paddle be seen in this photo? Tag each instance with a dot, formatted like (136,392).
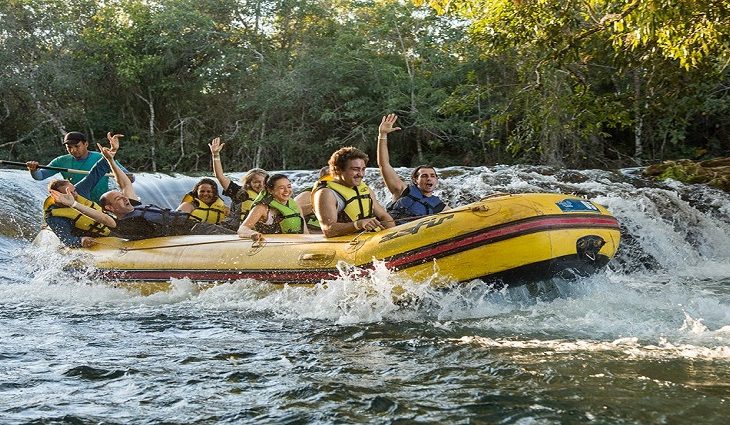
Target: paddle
(48,167)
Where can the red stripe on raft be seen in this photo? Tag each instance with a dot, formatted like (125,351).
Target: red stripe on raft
(531,226)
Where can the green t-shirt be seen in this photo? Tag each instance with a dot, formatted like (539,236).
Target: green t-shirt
(68,161)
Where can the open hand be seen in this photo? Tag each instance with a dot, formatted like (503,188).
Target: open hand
(386,124)
(216,146)
(65,199)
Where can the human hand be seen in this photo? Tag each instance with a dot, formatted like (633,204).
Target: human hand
(216,146)
(368,224)
(32,165)
(114,141)
(65,199)
(386,125)
(87,242)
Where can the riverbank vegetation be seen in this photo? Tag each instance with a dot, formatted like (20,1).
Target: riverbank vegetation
(284,82)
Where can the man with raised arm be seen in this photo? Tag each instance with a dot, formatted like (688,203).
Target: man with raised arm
(345,204)
(73,228)
(132,220)
(410,200)
(79,157)
(242,197)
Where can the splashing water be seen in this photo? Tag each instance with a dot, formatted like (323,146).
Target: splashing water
(645,341)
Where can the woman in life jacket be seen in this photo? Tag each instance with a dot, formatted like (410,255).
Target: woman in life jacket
(274,211)
(243,195)
(203,202)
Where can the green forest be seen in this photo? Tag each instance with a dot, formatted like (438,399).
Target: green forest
(591,83)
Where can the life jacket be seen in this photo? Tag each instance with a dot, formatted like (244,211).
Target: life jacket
(358,203)
(80,221)
(412,204)
(148,221)
(312,222)
(248,203)
(311,219)
(213,213)
(288,219)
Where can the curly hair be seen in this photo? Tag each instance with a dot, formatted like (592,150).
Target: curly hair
(203,181)
(338,160)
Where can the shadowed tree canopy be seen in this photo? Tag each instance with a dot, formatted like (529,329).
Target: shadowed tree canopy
(286,82)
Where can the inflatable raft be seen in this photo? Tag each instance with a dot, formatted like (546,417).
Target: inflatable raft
(509,239)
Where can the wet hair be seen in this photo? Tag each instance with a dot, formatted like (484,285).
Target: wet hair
(271,180)
(414,174)
(57,184)
(203,181)
(246,180)
(338,160)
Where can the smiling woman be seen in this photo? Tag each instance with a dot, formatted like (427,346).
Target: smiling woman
(274,211)
(204,203)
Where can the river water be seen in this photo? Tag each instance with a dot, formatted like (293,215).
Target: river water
(645,341)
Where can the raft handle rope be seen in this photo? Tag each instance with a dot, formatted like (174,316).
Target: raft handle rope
(180,245)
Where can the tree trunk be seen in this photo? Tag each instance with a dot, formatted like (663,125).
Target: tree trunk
(638,118)
(412,91)
(182,142)
(151,107)
(260,145)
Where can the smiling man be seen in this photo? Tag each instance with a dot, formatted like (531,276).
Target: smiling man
(410,200)
(345,204)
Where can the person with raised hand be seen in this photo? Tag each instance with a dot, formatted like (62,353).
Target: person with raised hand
(416,198)
(79,157)
(73,228)
(243,195)
(133,220)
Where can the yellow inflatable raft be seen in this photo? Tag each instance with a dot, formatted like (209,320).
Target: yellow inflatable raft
(511,239)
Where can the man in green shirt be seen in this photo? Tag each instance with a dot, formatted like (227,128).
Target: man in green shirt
(79,158)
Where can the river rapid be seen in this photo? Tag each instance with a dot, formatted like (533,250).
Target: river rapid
(647,340)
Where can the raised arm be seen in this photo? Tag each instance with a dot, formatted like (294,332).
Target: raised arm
(125,184)
(395,185)
(215,149)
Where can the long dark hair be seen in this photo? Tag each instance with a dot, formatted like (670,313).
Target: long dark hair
(202,182)
(272,179)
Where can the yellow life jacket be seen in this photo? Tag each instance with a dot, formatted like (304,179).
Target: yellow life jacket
(248,203)
(358,203)
(80,221)
(311,220)
(213,213)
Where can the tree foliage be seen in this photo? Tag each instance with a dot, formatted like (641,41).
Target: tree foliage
(285,82)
